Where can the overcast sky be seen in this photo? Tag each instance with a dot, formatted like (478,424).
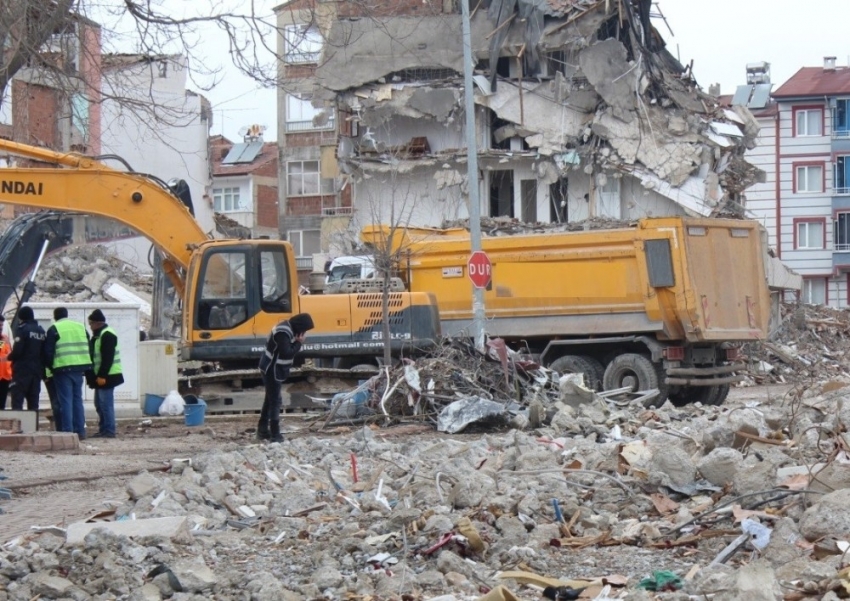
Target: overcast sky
(721,37)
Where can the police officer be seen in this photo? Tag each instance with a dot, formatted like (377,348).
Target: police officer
(27,361)
(106,372)
(282,345)
(66,353)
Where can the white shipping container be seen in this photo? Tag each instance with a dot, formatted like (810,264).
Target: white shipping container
(124,319)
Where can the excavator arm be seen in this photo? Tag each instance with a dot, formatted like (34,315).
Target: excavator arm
(89,186)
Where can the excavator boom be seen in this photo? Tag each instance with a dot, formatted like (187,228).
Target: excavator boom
(91,187)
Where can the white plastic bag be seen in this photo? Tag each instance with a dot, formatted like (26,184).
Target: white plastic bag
(173,404)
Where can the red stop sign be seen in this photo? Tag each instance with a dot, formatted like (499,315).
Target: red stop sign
(479,268)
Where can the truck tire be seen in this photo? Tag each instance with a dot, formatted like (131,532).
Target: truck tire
(636,371)
(580,364)
(707,395)
(719,394)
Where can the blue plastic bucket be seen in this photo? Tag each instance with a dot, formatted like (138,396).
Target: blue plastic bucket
(194,410)
(152,403)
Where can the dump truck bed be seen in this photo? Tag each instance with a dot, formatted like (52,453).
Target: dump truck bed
(676,278)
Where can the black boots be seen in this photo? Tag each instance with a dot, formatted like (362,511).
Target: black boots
(276,436)
(263,430)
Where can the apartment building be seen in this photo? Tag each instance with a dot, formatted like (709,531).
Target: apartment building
(372,119)
(804,201)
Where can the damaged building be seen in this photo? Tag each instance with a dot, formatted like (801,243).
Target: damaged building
(581,113)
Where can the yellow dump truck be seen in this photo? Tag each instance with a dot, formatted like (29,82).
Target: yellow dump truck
(665,304)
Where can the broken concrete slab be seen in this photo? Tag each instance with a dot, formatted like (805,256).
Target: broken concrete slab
(51,587)
(169,527)
(827,517)
(194,576)
(142,485)
(606,67)
(720,466)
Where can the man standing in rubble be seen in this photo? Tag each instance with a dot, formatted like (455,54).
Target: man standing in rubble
(66,354)
(27,361)
(282,345)
(106,372)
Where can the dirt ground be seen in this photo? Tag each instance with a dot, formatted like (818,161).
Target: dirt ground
(60,488)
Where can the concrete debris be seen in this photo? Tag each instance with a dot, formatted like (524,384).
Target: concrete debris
(553,78)
(369,513)
(810,343)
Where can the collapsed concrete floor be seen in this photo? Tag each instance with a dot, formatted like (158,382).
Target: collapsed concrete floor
(365,512)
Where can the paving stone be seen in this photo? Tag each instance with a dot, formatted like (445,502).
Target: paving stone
(42,442)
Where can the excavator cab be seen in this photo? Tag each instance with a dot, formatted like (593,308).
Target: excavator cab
(240,290)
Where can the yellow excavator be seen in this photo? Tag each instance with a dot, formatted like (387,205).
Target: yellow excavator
(233,291)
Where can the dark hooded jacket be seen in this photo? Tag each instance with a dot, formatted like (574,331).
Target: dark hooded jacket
(281,346)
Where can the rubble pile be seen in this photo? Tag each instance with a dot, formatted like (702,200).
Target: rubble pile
(510,226)
(81,273)
(733,503)
(456,386)
(811,343)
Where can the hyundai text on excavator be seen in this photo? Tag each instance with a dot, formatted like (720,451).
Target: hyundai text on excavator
(233,291)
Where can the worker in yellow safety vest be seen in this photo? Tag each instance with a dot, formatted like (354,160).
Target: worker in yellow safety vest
(106,372)
(66,354)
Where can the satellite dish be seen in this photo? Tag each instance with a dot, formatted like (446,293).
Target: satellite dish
(252,131)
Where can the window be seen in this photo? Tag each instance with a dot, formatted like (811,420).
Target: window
(841,126)
(305,243)
(274,281)
(808,178)
(300,114)
(841,231)
(814,291)
(808,122)
(302,44)
(223,301)
(80,114)
(226,200)
(841,185)
(810,234)
(304,179)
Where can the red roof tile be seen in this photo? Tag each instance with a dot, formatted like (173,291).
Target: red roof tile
(815,81)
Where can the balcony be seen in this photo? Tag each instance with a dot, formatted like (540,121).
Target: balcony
(337,211)
(307,126)
(303,263)
(302,58)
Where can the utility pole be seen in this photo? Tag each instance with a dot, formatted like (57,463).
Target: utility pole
(472,176)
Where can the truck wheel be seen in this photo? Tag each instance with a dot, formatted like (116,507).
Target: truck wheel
(580,364)
(636,372)
(707,395)
(719,394)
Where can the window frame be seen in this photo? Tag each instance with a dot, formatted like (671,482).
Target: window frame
(808,165)
(302,32)
(236,198)
(299,249)
(844,132)
(836,220)
(808,281)
(837,159)
(795,112)
(305,122)
(322,182)
(809,221)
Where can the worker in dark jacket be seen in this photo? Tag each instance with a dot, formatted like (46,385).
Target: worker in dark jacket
(282,345)
(106,372)
(27,359)
(66,354)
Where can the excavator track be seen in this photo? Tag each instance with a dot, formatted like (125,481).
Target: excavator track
(240,391)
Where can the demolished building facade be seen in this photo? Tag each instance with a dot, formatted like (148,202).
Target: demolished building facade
(580,113)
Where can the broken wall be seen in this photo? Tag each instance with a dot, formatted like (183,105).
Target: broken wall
(423,196)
